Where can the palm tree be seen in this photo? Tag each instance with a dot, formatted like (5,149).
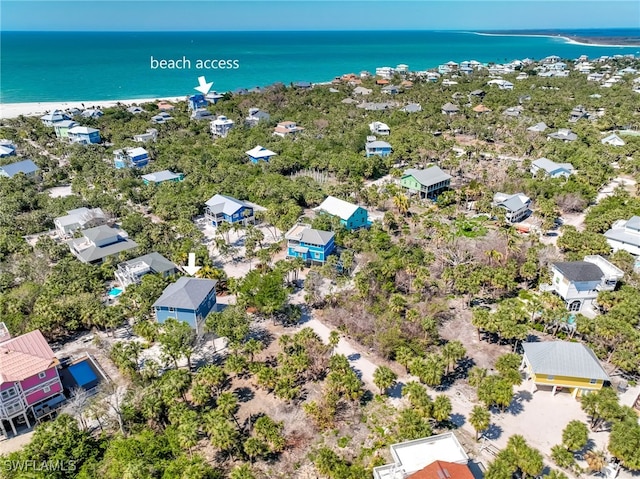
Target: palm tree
(243,471)
(441,408)
(404,356)
(595,460)
(480,419)
(227,404)
(402,203)
(476,376)
(334,339)
(254,447)
(452,352)
(384,378)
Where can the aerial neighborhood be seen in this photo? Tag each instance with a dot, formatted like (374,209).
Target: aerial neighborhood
(398,274)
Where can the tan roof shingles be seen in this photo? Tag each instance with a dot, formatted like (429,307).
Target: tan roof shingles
(25,356)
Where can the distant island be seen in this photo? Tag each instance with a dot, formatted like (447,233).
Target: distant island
(597,38)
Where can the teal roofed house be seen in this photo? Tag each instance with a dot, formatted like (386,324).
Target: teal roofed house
(351,216)
(313,246)
(427,183)
(161,177)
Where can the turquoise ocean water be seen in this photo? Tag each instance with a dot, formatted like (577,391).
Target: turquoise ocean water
(64,66)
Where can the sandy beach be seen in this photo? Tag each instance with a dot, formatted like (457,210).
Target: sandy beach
(587,42)
(13,110)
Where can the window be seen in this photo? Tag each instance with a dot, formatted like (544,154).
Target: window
(9,393)
(46,389)
(42,375)
(593,381)
(171,310)
(574,306)
(551,378)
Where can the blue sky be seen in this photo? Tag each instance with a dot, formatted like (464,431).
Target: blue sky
(224,15)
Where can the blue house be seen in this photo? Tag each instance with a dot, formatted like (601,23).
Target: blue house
(197,102)
(83,135)
(351,216)
(161,177)
(131,158)
(225,208)
(7,148)
(260,153)
(189,300)
(377,147)
(26,167)
(314,246)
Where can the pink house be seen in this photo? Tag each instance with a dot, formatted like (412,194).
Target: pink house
(29,380)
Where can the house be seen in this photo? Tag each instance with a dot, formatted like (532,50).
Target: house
(62,128)
(427,183)
(579,282)
(162,176)
(260,153)
(256,116)
(29,379)
(613,140)
(444,469)
(409,457)
(478,93)
(385,72)
(213,97)
(196,102)
(313,246)
(379,128)
(563,134)
(99,243)
(449,109)
(201,114)
(26,167)
(578,113)
(351,216)
(91,113)
(150,135)
(131,272)
(161,117)
(79,219)
(165,106)
(502,84)
(189,300)
(7,148)
(480,109)
(221,126)
(360,90)
(53,117)
(538,127)
(83,135)
(222,208)
(302,85)
(377,147)
(625,235)
(131,158)
(557,365)
(390,90)
(412,108)
(516,206)
(135,110)
(513,111)
(374,106)
(551,168)
(287,128)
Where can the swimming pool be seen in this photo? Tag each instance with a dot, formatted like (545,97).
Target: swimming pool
(83,374)
(115,292)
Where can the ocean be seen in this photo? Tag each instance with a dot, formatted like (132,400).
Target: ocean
(66,66)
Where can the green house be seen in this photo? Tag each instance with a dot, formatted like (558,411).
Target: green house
(427,183)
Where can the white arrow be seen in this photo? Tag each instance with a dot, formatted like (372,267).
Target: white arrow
(191,268)
(204,87)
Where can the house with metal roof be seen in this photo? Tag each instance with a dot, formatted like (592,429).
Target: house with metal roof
(28,377)
(222,208)
(256,115)
(579,282)
(351,216)
(201,114)
(62,128)
(99,243)
(547,167)
(538,127)
(449,109)
(444,470)
(53,117)
(613,140)
(516,207)
(221,126)
(377,148)
(189,300)
(161,117)
(83,135)
(625,235)
(427,183)
(286,129)
(313,246)
(410,457)
(26,167)
(79,219)
(131,272)
(136,157)
(135,110)
(260,153)
(562,365)
(162,176)
(150,135)
(412,108)
(196,102)
(563,134)
(379,128)
(7,148)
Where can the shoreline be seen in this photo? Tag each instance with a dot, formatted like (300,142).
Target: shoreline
(584,41)
(14,110)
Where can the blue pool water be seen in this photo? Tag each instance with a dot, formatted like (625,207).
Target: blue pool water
(115,292)
(83,374)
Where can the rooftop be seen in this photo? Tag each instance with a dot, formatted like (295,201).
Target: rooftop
(337,207)
(563,358)
(579,271)
(25,356)
(225,204)
(186,293)
(429,176)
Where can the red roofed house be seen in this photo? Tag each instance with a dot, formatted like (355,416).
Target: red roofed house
(443,470)
(28,376)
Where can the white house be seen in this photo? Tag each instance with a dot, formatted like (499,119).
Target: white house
(564,134)
(516,206)
(221,126)
(579,282)
(79,219)
(625,235)
(502,84)
(379,128)
(551,168)
(613,140)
